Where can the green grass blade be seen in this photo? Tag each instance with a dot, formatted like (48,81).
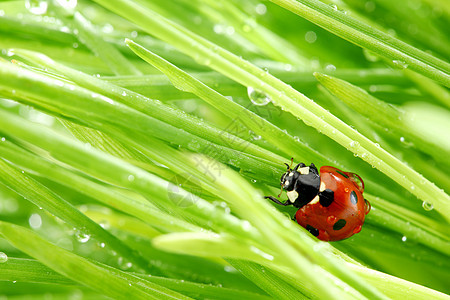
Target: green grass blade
(28,270)
(116,284)
(155,109)
(258,125)
(370,38)
(101,193)
(38,194)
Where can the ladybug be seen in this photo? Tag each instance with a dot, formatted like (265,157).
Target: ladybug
(330,206)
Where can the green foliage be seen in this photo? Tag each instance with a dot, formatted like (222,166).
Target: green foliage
(139,138)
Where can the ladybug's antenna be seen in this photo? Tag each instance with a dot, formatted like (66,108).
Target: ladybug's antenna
(289,167)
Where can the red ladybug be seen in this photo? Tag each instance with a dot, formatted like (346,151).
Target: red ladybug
(331,205)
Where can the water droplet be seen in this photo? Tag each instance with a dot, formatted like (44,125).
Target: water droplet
(124,93)
(134,34)
(354,144)
(260,9)
(400,64)
(123,263)
(229,30)
(404,238)
(288,67)
(427,206)
(310,37)
(334,7)
(35,221)
(130,178)
(68,4)
(257,97)
(229,269)
(3,139)
(330,68)
(369,6)
(82,237)
(37,7)
(107,28)
(102,245)
(246,225)
(3,257)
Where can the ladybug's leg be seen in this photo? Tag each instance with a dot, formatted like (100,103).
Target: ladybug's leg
(326,197)
(300,165)
(278,201)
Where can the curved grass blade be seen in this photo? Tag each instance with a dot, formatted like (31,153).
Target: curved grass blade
(113,170)
(29,270)
(43,197)
(370,38)
(154,108)
(99,192)
(260,126)
(114,283)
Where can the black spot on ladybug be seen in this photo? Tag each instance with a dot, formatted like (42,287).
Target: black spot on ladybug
(312,230)
(346,176)
(326,197)
(339,224)
(353,197)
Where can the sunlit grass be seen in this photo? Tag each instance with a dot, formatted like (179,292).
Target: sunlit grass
(138,139)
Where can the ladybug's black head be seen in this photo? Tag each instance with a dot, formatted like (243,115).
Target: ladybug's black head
(288,179)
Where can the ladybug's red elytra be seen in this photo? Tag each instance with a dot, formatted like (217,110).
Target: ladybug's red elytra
(330,206)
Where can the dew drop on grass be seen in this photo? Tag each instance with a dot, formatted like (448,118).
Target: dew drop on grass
(35,221)
(3,257)
(246,225)
(123,263)
(310,37)
(400,64)
(260,9)
(82,237)
(37,7)
(427,206)
(68,4)
(257,97)
(404,238)
(330,68)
